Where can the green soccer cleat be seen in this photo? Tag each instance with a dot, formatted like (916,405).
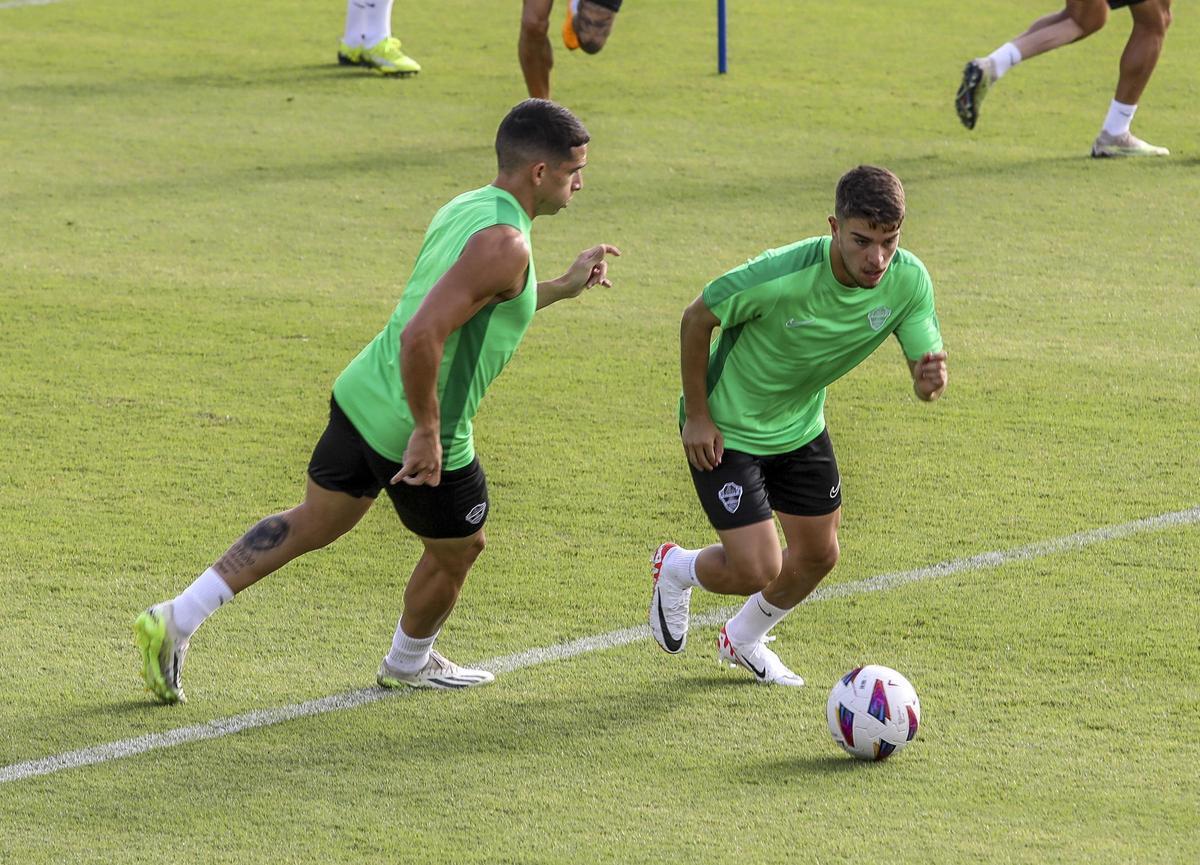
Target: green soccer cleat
(1125,144)
(977,78)
(348,56)
(386,58)
(162,656)
(439,672)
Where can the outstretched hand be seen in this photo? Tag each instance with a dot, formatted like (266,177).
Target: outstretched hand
(589,269)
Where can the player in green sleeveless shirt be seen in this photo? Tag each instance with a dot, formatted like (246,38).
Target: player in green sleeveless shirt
(793,321)
(400,416)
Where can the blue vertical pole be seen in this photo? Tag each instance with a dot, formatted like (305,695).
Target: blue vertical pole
(722,66)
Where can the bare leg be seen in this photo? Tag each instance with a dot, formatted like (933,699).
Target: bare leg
(1150,22)
(436,583)
(1080,19)
(533,47)
(745,561)
(812,551)
(274,541)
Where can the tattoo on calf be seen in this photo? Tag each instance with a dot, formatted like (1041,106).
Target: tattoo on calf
(265,535)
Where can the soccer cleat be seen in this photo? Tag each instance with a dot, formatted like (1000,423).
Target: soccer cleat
(669,604)
(439,672)
(759,660)
(570,39)
(350,56)
(386,58)
(162,655)
(1125,144)
(977,78)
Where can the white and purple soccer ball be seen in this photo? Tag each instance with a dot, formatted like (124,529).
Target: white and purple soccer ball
(873,712)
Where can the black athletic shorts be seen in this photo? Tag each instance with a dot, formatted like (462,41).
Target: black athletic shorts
(343,462)
(744,489)
(1121,4)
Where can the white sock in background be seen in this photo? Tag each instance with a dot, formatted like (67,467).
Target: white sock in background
(199,601)
(409,654)
(1004,58)
(377,24)
(753,621)
(1119,117)
(356,23)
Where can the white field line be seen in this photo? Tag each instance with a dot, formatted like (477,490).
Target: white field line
(13,4)
(600,642)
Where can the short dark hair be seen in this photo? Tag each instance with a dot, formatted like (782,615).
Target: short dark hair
(538,130)
(871,193)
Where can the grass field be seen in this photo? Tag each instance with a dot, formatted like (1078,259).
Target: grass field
(202,219)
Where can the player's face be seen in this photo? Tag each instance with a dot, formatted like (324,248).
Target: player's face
(560,182)
(862,250)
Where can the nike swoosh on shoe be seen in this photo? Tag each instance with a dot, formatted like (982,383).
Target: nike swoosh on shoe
(671,644)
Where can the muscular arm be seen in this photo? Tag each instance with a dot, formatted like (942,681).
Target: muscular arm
(533,47)
(702,441)
(491,267)
(929,375)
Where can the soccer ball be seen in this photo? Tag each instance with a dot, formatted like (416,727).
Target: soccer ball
(873,712)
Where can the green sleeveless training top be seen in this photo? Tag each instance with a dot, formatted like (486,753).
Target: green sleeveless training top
(370,390)
(789,329)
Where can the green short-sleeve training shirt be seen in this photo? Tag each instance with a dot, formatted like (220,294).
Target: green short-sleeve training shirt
(370,390)
(789,329)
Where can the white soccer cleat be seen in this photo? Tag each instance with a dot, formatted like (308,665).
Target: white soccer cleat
(439,672)
(1125,144)
(669,605)
(759,660)
(162,655)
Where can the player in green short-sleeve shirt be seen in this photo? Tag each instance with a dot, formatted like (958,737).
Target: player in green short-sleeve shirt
(792,321)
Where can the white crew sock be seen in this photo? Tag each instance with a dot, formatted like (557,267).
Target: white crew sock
(409,654)
(199,601)
(753,621)
(1119,117)
(356,23)
(377,21)
(1004,58)
(680,565)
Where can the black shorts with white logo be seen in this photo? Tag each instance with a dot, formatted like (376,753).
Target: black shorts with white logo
(343,462)
(744,489)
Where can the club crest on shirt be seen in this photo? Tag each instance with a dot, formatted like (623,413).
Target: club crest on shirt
(730,496)
(878,317)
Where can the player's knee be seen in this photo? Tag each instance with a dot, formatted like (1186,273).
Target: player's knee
(757,574)
(1091,19)
(534,26)
(815,561)
(593,44)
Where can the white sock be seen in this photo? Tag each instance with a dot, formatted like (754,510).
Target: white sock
(199,601)
(1119,117)
(409,654)
(356,23)
(680,565)
(1004,58)
(753,621)
(377,21)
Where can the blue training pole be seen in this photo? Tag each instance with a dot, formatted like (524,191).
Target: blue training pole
(722,66)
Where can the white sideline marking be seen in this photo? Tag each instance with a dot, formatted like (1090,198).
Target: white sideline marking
(13,4)
(535,657)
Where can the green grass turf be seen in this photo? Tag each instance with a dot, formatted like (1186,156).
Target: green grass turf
(203,219)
